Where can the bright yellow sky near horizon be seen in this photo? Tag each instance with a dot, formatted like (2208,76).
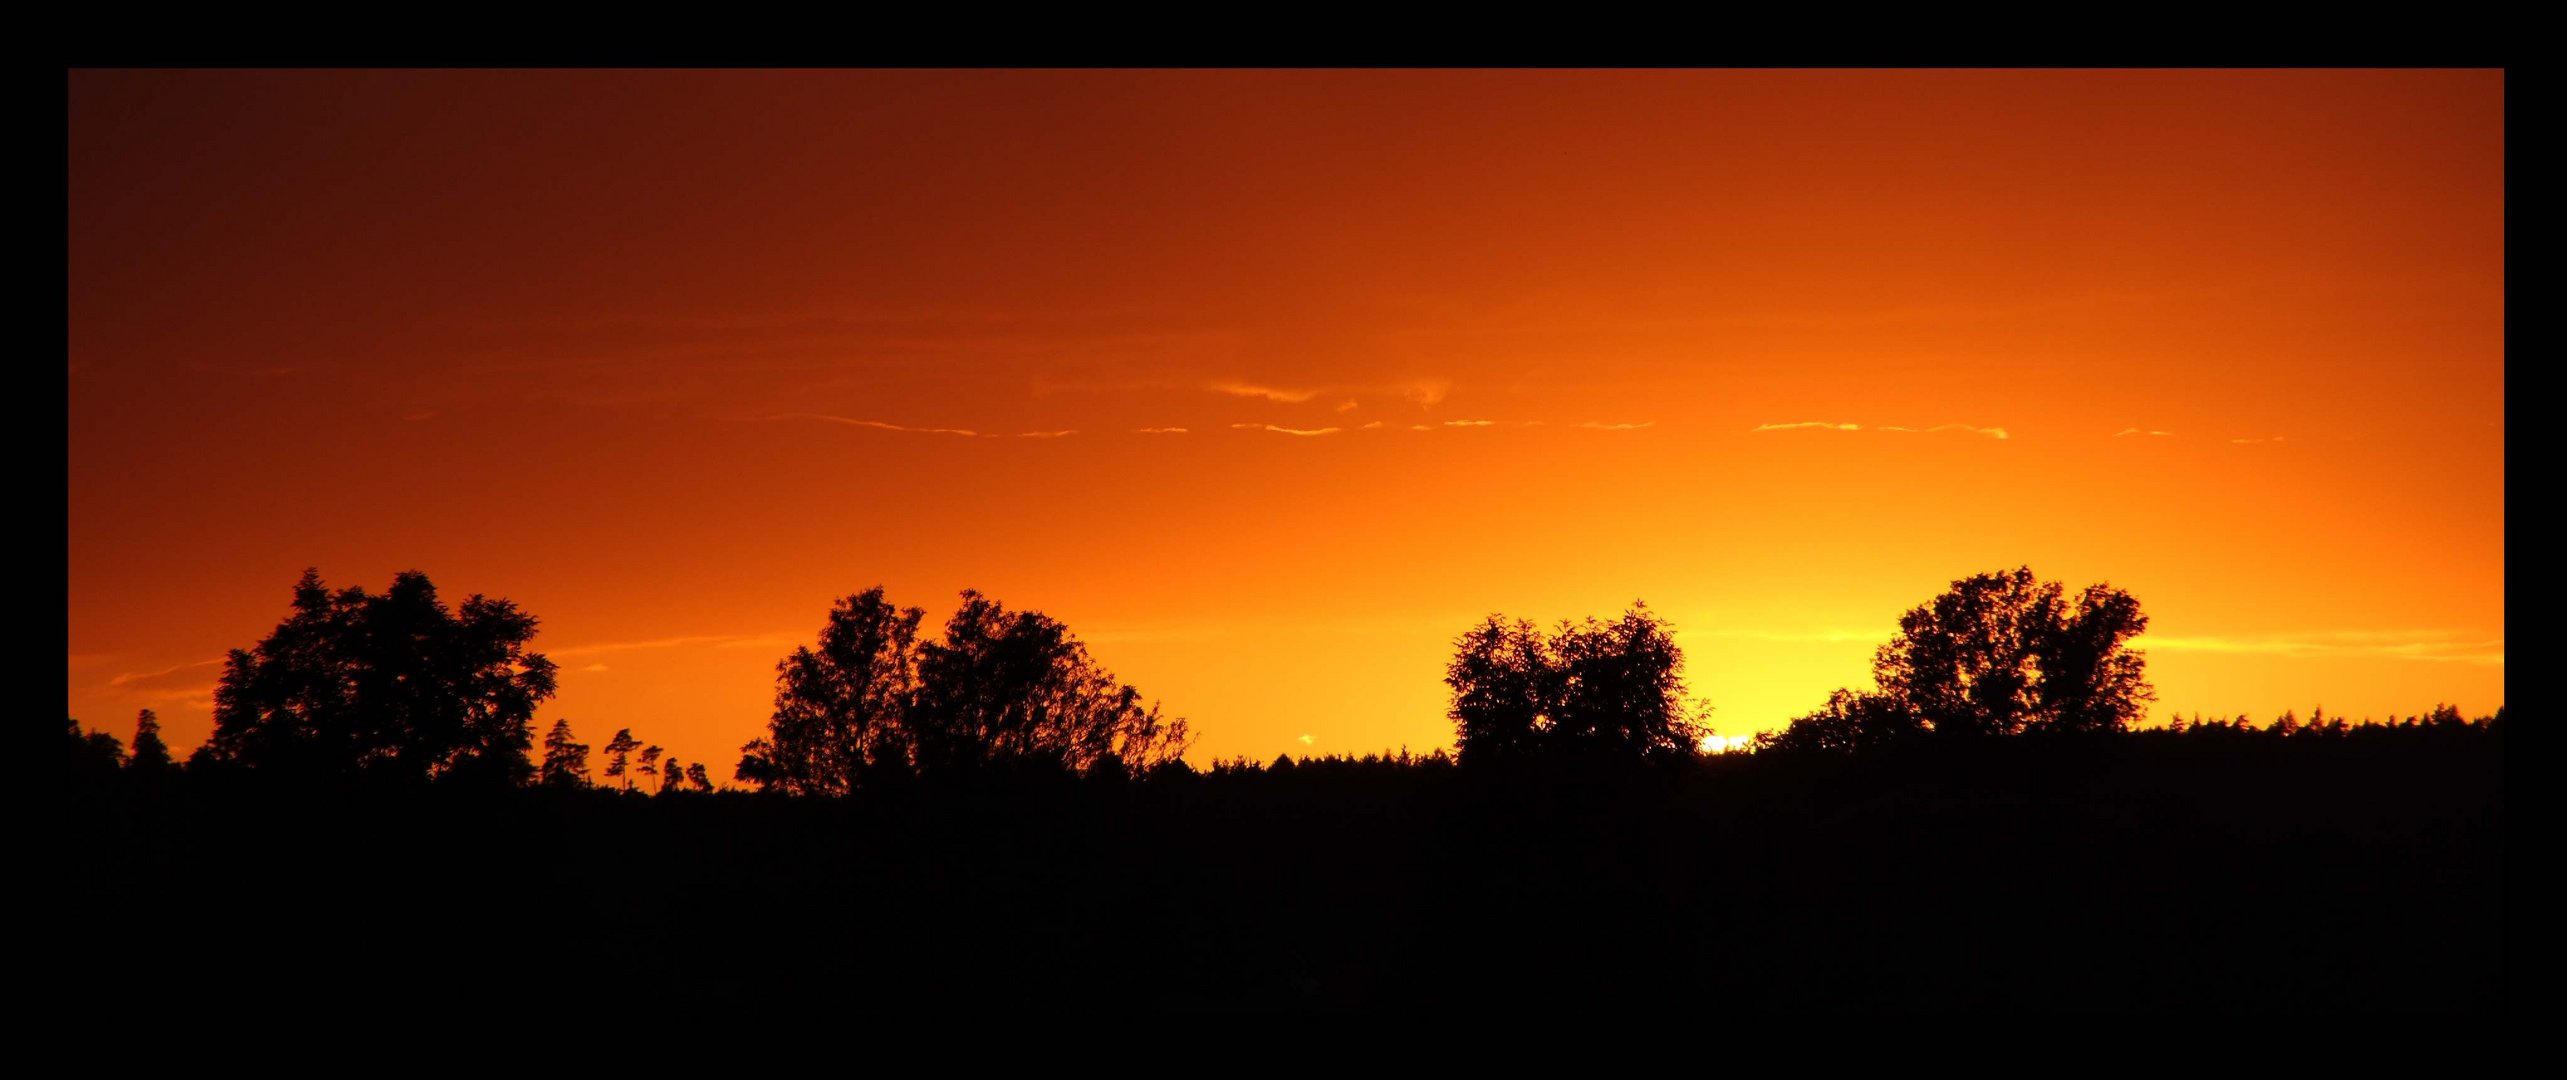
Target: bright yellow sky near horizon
(1269,384)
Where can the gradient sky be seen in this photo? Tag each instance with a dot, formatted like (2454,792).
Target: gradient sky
(1270,384)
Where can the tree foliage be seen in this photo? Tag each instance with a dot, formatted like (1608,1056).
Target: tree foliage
(391,684)
(1001,689)
(619,755)
(150,753)
(565,758)
(1996,654)
(1592,688)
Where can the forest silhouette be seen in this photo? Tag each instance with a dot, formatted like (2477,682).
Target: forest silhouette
(989,814)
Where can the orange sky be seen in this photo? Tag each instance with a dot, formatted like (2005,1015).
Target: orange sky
(589,340)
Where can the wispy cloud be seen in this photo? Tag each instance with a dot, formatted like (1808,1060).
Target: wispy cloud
(2251,442)
(134,677)
(1159,431)
(880,425)
(1374,426)
(595,667)
(1821,425)
(1346,406)
(416,415)
(2128,431)
(1425,392)
(1595,425)
(1286,395)
(1469,423)
(875,424)
(2446,646)
(195,697)
(1287,430)
(1305,740)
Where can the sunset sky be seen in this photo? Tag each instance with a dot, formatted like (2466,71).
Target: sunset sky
(1269,384)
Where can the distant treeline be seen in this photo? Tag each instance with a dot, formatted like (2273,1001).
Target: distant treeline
(397,686)
(987,822)
(2221,870)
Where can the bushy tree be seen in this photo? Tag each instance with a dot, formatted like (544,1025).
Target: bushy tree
(841,709)
(392,684)
(1849,721)
(90,754)
(1592,688)
(1996,654)
(1001,689)
(1013,687)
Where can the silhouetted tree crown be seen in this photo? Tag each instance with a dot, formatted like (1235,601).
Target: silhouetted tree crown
(565,758)
(91,753)
(150,753)
(1599,688)
(1003,688)
(390,684)
(619,755)
(1996,654)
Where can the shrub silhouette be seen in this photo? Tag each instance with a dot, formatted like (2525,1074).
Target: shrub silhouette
(386,685)
(1591,689)
(1002,690)
(1996,654)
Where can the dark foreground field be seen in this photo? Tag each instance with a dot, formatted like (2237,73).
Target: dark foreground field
(2129,874)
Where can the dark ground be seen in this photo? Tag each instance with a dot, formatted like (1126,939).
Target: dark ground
(2238,876)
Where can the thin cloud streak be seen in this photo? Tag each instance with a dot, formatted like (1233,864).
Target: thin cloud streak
(2428,645)
(876,424)
(138,676)
(1250,390)
(1287,430)
(880,425)
(1593,425)
(1991,432)
(2136,431)
(1821,425)
(1158,431)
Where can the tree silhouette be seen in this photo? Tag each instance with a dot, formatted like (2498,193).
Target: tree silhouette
(1849,721)
(695,775)
(1592,688)
(1001,689)
(565,759)
(1016,688)
(150,753)
(619,755)
(1502,682)
(391,684)
(841,709)
(91,753)
(1996,654)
